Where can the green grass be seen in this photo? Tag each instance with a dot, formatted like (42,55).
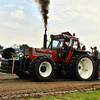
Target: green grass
(89,95)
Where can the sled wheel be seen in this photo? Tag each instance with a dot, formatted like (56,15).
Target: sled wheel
(22,74)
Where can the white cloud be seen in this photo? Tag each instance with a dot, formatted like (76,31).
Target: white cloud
(77,16)
(81,17)
(1,8)
(4,14)
(11,24)
(69,10)
(9,5)
(21,7)
(31,0)
(70,13)
(20,33)
(18,14)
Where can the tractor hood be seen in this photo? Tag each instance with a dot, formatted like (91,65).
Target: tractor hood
(31,53)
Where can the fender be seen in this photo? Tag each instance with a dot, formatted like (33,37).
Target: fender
(79,51)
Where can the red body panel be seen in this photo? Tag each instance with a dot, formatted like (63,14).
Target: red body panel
(35,52)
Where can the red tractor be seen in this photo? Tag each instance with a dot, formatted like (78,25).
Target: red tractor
(64,55)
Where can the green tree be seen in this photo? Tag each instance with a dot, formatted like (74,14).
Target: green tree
(23,46)
(1,47)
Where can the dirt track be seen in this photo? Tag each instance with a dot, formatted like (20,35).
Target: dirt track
(13,87)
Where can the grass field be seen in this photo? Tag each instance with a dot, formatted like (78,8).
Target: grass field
(89,95)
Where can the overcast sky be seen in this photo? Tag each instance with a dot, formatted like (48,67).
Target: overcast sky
(21,21)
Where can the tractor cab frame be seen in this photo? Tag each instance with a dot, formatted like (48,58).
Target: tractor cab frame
(65,44)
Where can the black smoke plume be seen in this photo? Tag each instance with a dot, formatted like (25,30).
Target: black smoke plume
(44,5)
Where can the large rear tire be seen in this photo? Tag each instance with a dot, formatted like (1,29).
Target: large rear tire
(81,67)
(42,68)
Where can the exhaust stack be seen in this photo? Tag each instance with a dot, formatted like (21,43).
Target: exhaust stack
(45,39)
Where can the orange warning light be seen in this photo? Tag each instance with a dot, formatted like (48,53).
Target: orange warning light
(73,34)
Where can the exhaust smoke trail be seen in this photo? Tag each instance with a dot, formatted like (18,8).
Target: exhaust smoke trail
(44,5)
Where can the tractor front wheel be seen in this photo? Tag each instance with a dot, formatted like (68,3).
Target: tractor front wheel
(42,68)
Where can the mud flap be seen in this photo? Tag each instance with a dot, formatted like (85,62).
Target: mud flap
(96,74)
(99,70)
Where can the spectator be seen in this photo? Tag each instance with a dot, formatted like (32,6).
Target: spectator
(23,54)
(0,57)
(64,51)
(95,53)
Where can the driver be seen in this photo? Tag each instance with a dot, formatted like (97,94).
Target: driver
(64,50)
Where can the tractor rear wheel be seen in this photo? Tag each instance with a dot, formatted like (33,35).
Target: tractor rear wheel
(81,67)
(42,68)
